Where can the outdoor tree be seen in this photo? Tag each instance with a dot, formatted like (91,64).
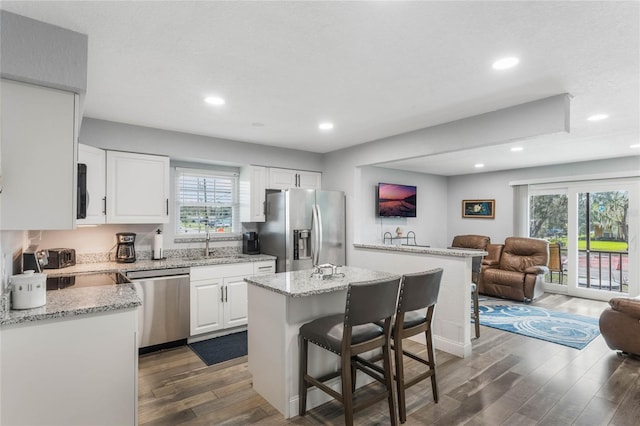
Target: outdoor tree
(547,212)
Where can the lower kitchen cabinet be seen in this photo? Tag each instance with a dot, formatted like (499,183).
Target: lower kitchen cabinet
(207,304)
(219,295)
(70,371)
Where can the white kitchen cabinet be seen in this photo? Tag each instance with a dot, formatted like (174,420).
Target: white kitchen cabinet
(287,178)
(253,183)
(219,295)
(264,267)
(95,159)
(39,132)
(206,305)
(235,301)
(137,188)
(70,371)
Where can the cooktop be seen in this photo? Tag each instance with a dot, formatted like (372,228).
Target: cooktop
(85,280)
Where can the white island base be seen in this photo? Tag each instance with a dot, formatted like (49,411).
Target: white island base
(274,324)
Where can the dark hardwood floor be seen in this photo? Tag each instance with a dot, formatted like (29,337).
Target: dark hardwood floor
(509,379)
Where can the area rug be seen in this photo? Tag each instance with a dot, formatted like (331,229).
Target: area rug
(220,349)
(575,331)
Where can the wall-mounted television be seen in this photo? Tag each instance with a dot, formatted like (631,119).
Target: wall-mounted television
(396,200)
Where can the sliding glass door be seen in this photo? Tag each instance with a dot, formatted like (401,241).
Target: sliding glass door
(592,229)
(603,241)
(548,219)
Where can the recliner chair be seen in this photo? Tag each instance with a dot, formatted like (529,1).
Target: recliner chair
(620,325)
(522,263)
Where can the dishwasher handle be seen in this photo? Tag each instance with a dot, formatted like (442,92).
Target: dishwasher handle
(158,273)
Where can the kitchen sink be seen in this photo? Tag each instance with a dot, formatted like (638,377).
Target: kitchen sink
(234,256)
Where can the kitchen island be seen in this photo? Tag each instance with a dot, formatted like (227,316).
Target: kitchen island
(278,305)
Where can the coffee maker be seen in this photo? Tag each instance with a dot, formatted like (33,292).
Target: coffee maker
(126,251)
(250,243)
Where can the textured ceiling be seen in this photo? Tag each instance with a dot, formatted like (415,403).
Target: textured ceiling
(375,69)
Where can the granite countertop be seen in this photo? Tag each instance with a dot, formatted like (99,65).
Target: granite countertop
(145,265)
(455,252)
(77,301)
(72,302)
(301,283)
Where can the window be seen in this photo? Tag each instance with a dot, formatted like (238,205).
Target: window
(206,200)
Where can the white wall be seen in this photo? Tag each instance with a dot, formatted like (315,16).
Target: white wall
(43,54)
(343,168)
(185,150)
(429,219)
(192,148)
(496,186)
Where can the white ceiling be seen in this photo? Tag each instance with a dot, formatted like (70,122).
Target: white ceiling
(375,69)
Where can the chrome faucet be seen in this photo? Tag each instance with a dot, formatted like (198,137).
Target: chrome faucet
(206,240)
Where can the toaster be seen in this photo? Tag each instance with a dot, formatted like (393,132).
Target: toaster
(61,258)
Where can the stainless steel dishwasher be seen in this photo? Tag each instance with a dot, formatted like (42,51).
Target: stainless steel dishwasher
(163,318)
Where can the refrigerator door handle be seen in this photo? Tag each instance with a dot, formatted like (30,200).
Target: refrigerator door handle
(317,229)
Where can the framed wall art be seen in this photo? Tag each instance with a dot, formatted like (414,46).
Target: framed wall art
(481,209)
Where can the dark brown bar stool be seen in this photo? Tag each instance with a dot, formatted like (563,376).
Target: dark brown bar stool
(476,265)
(349,335)
(417,292)
(473,242)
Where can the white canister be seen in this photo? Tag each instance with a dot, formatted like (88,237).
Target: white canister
(28,290)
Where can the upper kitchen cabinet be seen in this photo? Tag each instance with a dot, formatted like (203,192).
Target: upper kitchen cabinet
(287,178)
(137,188)
(38,146)
(92,203)
(253,183)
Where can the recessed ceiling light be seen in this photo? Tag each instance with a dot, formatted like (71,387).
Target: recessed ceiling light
(505,63)
(214,100)
(637,145)
(517,149)
(598,117)
(479,166)
(325,126)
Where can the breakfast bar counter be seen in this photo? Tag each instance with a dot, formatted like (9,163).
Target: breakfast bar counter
(452,319)
(278,305)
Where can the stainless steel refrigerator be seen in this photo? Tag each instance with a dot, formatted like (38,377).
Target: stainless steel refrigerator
(303,228)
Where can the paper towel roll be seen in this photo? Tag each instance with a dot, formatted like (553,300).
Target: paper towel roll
(157,245)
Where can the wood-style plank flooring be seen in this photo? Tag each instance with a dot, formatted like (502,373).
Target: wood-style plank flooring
(509,379)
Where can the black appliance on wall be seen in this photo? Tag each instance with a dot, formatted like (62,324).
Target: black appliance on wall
(250,243)
(126,251)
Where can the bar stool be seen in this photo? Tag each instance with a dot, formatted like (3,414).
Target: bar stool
(349,335)
(417,292)
(473,242)
(476,264)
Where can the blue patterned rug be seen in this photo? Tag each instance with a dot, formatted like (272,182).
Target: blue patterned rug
(575,331)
